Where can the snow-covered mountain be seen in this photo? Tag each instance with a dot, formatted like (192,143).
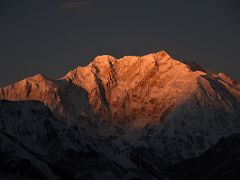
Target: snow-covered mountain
(142,113)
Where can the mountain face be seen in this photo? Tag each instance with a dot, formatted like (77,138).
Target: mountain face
(135,91)
(132,91)
(140,114)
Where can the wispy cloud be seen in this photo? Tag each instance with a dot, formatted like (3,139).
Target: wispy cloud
(78,4)
(83,7)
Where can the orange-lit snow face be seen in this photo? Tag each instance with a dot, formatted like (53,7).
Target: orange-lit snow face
(134,91)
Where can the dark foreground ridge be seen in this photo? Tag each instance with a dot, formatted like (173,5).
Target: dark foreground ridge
(222,161)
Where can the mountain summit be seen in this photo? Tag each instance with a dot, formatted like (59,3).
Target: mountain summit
(133,90)
(138,113)
(144,90)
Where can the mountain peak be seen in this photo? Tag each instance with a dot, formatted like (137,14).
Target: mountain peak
(161,54)
(158,56)
(136,85)
(103,59)
(223,77)
(38,77)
